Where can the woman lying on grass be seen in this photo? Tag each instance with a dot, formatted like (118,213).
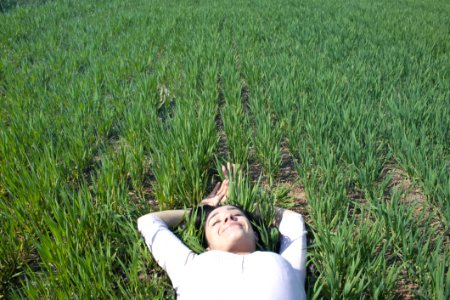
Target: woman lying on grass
(231,268)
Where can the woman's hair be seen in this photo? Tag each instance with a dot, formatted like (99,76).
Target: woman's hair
(202,213)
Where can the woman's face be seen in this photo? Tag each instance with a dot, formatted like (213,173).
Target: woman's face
(228,229)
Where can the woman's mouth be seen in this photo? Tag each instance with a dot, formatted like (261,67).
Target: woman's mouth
(231,225)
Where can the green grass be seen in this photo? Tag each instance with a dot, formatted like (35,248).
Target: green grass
(111,108)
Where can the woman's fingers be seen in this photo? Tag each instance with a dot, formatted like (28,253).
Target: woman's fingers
(224,171)
(214,191)
(216,188)
(220,191)
(224,187)
(231,167)
(213,201)
(224,190)
(228,170)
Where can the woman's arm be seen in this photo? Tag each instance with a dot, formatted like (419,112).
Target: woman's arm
(280,213)
(171,218)
(293,239)
(167,249)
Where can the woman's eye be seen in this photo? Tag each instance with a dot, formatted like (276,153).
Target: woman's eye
(215,222)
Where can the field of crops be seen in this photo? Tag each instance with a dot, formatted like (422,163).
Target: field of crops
(111,109)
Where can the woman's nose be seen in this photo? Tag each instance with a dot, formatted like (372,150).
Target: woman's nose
(229,217)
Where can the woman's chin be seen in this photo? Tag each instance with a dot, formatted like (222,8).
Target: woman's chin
(239,241)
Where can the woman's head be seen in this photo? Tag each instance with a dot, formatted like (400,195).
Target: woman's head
(227,228)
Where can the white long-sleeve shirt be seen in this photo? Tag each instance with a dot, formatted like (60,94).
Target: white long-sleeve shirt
(223,275)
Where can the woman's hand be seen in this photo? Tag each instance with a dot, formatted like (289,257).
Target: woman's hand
(218,195)
(220,192)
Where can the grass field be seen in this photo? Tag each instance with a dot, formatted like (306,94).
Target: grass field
(111,109)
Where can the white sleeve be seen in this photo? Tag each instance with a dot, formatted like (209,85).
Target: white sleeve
(293,241)
(169,252)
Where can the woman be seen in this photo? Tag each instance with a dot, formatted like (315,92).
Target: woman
(231,268)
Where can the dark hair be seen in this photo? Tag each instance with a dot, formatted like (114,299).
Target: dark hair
(202,213)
